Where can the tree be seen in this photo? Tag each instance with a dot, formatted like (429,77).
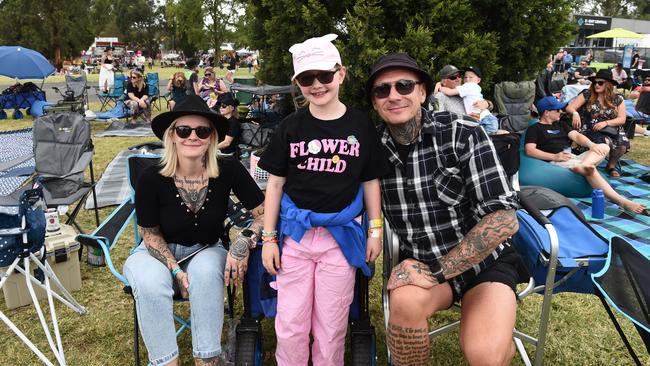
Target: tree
(46,26)
(221,18)
(508,39)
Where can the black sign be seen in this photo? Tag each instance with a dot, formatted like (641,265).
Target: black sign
(593,22)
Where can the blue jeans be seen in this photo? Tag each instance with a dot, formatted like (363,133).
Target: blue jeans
(490,124)
(153,290)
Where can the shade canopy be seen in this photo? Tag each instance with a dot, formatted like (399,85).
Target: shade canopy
(23,63)
(617,33)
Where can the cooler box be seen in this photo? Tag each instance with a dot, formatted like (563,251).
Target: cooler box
(62,253)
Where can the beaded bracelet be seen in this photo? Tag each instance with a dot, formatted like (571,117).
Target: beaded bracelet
(175,271)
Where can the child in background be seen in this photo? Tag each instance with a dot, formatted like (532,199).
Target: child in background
(324,164)
(470,91)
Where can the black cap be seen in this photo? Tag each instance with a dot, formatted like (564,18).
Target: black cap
(475,70)
(398,61)
(190,105)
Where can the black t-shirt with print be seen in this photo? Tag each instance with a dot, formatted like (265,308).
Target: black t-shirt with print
(324,162)
(551,138)
(157,203)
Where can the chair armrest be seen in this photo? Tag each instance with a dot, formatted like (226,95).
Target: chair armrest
(533,211)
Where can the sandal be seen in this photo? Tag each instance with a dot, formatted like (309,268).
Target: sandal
(612,172)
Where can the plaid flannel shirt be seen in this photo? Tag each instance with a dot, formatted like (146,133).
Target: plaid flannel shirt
(453,178)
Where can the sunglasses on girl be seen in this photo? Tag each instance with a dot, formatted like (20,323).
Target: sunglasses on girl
(324,77)
(184,132)
(403,87)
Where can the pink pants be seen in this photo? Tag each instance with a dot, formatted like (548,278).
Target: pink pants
(315,290)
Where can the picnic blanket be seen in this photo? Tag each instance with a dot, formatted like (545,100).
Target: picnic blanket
(634,228)
(119,111)
(120,128)
(113,187)
(16,159)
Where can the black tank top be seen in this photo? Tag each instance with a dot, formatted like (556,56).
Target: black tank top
(108,61)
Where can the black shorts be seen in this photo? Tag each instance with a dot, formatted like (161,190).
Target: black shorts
(507,269)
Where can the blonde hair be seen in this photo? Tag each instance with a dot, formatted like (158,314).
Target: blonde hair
(140,83)
(180,75)
(169,161)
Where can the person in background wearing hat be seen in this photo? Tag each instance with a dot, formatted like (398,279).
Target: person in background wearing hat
(603,117)
(106,74)
(192,76)
(228,108)
(450,77)
(548,139)
(181,205)
(449,201)
(324,167)
(471,93)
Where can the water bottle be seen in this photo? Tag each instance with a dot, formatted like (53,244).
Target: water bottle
(597,204)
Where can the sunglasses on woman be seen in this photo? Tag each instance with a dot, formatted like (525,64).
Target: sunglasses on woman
(207,74)
(600,82)
(135,77)
(184,132)
(403,87)
(224,106)
(324,77)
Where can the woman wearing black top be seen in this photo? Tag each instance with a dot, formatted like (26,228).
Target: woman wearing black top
(228,108)
(137,92)
(180,206)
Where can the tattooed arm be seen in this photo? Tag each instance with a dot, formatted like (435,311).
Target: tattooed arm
(237,259)
(480,241)
(157,246)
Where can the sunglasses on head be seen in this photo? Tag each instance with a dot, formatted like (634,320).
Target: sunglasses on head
(184,132)
(403,87)
(324,77)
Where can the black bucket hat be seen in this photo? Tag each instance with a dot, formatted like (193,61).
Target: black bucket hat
(604,74)
(398,61)
(191,105)
(228,99)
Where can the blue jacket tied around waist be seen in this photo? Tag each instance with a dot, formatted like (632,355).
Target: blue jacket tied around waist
(349,234)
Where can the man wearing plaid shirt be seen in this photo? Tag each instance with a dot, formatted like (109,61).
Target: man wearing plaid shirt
(449,202)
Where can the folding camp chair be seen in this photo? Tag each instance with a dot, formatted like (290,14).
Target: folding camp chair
(105,237)
(63,150)
(513,101)
(22,232)
(624,283)
(154,89)
(115,94)
(75,94)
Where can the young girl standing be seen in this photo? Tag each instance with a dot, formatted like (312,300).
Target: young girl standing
(324,163)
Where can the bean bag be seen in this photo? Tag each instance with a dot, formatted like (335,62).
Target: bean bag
(535,172)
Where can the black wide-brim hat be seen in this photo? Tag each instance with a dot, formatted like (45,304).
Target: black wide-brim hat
(190,105)
(398,61)
(227,99)
(604,74)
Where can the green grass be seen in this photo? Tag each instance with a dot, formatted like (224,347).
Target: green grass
(579,331)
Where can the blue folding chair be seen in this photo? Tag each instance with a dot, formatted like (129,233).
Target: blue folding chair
(115,94)
(154,89)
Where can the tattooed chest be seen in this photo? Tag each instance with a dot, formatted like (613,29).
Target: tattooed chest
(193,191)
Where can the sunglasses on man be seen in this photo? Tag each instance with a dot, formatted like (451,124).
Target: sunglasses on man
(324,77)
(403,87)
(184,132)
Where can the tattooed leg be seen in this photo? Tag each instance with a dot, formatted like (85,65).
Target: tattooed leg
(212,361)
(408,346)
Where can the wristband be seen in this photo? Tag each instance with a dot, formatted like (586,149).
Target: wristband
(436,271)
(176,270)
(376,223)
(374,232)
(576,113)
(269,233)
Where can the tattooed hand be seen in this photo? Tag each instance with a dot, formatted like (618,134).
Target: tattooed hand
(183,283)
(237,261)
(411,272)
